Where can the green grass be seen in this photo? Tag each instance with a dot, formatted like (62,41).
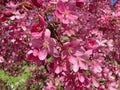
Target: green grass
(14,82)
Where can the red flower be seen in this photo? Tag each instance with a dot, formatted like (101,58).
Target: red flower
(64,13)
(44,43)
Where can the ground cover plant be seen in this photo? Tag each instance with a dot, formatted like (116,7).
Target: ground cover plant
(59,45)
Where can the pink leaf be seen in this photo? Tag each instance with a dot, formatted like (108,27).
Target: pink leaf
(58,69)
(42,54)
(75,67)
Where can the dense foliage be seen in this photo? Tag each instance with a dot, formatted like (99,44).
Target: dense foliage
(59,45)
